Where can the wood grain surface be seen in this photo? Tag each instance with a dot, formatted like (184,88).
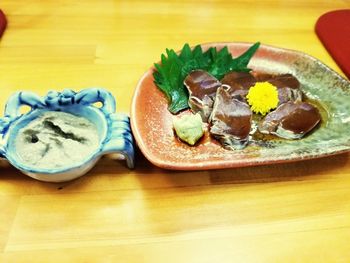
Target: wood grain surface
(296,212)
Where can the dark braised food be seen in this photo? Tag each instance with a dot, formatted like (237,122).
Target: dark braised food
(230,120)
(291,120)
(202,88)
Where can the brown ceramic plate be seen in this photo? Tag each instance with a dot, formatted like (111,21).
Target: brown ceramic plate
(152,123)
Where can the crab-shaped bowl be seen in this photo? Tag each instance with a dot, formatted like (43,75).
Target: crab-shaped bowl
(113,129)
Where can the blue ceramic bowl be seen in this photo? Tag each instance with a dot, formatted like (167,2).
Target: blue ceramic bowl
(113,129)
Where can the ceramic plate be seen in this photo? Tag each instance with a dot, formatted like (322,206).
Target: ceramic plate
(152,122)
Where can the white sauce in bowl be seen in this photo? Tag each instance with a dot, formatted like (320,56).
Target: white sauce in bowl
(56,140)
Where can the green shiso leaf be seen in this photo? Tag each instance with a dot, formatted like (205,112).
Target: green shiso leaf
(240,63)
(173,69)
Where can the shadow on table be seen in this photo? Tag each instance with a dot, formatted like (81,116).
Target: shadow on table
(293,171)
(146,172)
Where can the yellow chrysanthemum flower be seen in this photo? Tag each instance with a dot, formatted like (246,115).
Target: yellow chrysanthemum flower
(262,97)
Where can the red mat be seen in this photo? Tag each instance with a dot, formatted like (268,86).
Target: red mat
(333,29)
(3,23)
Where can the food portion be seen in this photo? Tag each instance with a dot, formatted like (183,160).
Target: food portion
(291,120)
(231,98)
(288,88)
(202,88)
(230,120)
(240,82)
(56,140)
(189,128)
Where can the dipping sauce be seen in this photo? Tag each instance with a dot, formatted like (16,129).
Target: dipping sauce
(56,140)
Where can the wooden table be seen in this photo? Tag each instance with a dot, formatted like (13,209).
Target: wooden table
(297,212)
